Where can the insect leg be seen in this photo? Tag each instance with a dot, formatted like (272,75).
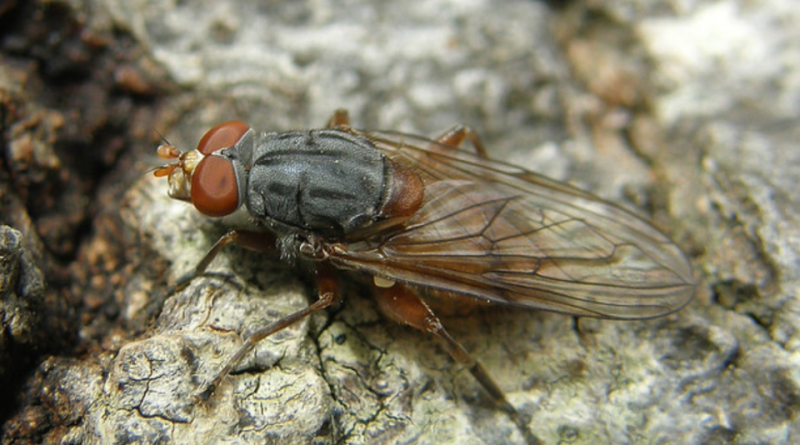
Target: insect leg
(340,119)
(258,241)
(403,305)
(328,292)
(456,136)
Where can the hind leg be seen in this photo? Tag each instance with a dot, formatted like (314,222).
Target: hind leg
(403,305)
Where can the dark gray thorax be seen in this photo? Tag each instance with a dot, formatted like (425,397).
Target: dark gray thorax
(323,181)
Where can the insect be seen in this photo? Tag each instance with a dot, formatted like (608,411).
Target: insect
(425,217)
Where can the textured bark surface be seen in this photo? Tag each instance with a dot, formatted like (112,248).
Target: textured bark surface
(684,110)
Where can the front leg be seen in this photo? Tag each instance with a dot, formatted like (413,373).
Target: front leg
(328,295)
(257,241)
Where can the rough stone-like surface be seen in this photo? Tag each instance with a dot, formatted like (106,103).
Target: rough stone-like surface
(687,110)
(21,298)
(67,113)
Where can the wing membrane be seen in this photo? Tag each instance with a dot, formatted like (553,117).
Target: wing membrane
(502,234)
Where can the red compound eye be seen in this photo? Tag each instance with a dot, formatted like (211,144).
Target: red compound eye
(222,136)
(214,189)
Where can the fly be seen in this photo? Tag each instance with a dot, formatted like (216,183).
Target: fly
(425,218)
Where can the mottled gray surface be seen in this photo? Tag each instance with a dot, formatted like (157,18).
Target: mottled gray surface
(21,295)
(687,108)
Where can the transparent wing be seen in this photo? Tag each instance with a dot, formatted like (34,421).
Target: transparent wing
(502,234)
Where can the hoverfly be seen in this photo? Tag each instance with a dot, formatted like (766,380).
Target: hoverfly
(425,217)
